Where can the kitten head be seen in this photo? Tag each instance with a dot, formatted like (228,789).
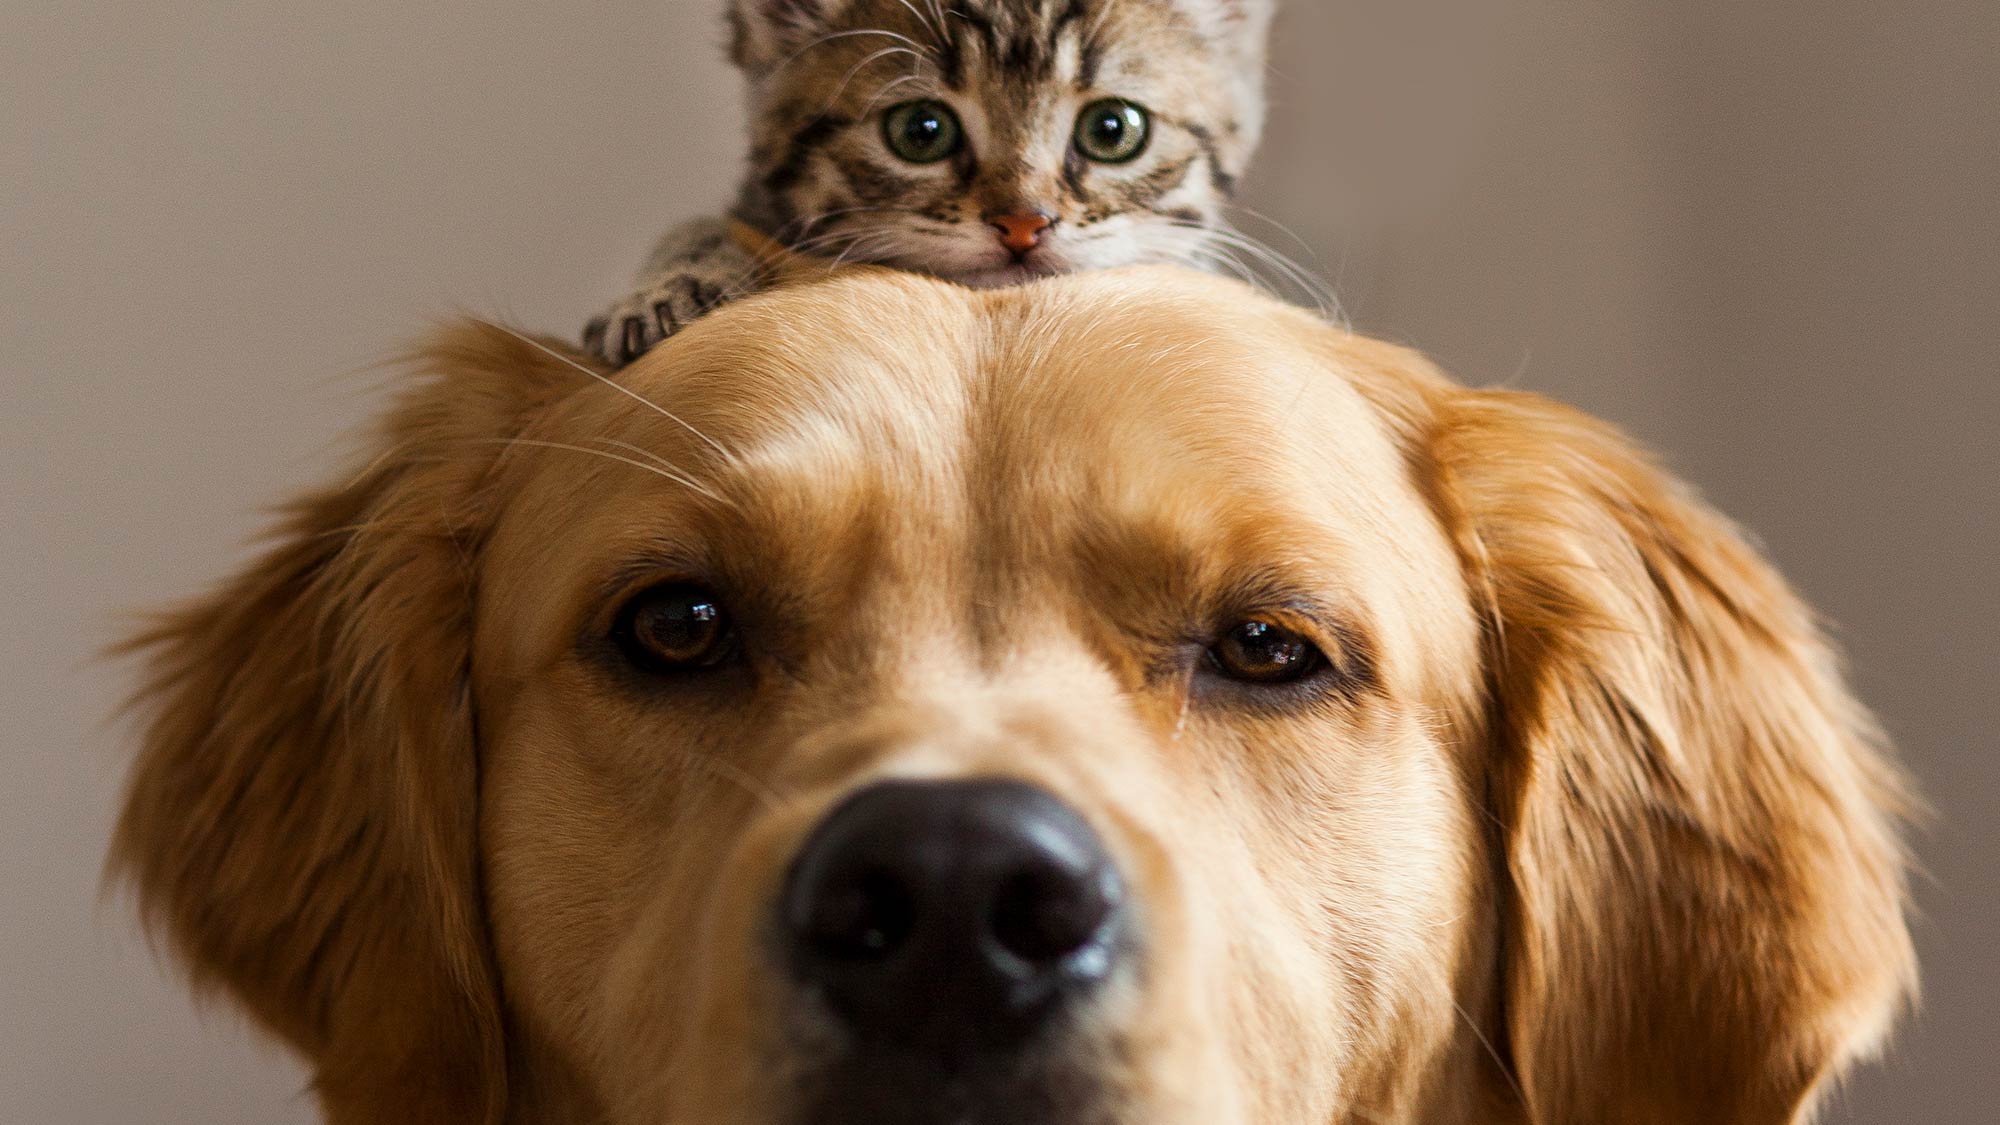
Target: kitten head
(990,141)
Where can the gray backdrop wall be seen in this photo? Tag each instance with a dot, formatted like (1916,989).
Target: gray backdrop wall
(1763,236)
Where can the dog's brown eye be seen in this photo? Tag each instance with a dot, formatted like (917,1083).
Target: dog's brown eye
(675,627)
(1260,652)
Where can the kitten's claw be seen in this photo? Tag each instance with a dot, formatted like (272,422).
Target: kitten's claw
(631,328)
(634,342)
(664,318)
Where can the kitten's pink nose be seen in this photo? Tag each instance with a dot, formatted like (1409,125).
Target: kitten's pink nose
(1022,232)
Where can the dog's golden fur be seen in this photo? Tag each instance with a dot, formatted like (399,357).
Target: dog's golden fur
(1593,833)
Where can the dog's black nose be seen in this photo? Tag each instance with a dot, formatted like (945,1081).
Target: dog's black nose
(945,914)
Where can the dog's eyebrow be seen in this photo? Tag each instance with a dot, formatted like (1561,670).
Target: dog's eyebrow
(650,562)
(1343,634)
(1357,657)
(1271,592)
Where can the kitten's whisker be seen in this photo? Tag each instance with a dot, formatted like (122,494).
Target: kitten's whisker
(856,248)
(1285,268)
(1251,242)
(888,86)
(838,35)
(809,247)
(880,239)
(1305,281)
(831,238)
(1310,284)
(810,221)
(1281,228)
(935,30)
(850,241)
(1237,255)
(851,231)
(1185,243)
(1234,266)
(847,79)
(612,383)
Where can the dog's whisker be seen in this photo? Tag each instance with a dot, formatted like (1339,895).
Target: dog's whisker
(676,477)
(613,384)
(641,451)
(767,797)
(376,462)
(1492,1052)
(1187,704)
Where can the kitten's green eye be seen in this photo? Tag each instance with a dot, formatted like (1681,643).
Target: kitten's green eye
(1112,131)
(922,132)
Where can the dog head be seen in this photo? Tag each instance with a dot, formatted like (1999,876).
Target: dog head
(1121,699)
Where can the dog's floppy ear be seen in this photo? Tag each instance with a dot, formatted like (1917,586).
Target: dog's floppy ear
(1704,911)
(300,822)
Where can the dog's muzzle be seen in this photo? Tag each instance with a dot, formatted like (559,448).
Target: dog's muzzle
(952,932)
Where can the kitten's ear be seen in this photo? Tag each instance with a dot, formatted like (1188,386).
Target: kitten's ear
(1246,23)
(763,32)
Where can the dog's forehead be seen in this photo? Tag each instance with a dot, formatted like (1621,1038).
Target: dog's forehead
(1153,371)
(1154,422)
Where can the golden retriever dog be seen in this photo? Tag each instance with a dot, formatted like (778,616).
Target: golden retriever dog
(1121,700)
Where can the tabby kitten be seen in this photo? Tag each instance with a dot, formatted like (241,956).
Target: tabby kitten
(983,141)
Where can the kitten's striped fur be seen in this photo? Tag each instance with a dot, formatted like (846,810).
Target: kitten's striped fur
(822,180)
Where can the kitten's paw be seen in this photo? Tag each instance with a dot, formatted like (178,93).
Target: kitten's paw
(630,328)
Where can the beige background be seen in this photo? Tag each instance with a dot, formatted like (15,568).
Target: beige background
(1762,235)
